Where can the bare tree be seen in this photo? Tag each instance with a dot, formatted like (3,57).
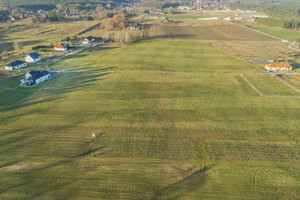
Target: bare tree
(18,46)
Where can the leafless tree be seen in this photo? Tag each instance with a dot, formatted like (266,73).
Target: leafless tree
(18,46)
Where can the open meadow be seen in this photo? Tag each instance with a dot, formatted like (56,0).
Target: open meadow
(172,118)
(279,32)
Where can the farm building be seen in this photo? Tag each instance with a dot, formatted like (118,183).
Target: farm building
(35,77)
(60,47)
(89,40)
(15,65)
(278,67)
(33,57)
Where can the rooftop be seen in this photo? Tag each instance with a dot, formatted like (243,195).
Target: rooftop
(34,55)
(15,63)
(279,65)
(60,45)
(38,74)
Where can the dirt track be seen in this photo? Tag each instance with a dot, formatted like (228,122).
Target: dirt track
(205,31)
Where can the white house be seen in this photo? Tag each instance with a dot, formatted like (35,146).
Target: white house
(33,57)
(15,65)
(228,18)
(60,47)
(278,67)
(89,40)
(35,77)
(86,42)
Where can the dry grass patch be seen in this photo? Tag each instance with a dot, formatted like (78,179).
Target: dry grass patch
(251,50)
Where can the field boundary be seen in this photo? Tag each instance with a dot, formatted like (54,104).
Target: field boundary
(291,86)
(260,32)
(270,95)
(256,89)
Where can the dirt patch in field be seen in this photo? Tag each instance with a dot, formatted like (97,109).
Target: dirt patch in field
(182,170)
(204,31)
(255,50)
(15,167)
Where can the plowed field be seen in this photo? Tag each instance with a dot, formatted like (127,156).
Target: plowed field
(204,31)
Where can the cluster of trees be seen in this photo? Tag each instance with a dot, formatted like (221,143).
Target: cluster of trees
(286,11)
(17,3)
(284,23)
(158,4)
(269,1)
(4,15)
(117,25)
(125,36)
(51,16)
(117,22)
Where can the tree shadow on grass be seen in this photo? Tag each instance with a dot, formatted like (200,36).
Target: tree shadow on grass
(183,187)
(9,46)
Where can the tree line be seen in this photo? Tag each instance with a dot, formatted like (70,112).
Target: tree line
(282,11)
(30,3)
(284,23)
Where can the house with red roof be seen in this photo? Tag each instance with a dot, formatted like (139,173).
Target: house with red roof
(278,67)
(60,47)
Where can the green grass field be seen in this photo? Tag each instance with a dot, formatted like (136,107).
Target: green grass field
(173,120)
(178,16)
(282,33)
(270,85)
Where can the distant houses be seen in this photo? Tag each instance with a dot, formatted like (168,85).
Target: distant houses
(35,77)
(88,40)
(60,47)
(15,65)
(33,57)
(228,18)
(278,67)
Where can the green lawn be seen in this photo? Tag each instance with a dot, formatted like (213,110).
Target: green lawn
(270,85)
(161,110)
(177,16)
(282,33)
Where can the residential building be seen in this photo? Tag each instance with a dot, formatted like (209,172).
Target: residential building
(278,67)
(35,77)
(33,57)
(15,65)
(60,47)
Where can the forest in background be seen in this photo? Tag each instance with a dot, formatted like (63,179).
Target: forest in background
(283,11)
(283,23)
(45,3)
